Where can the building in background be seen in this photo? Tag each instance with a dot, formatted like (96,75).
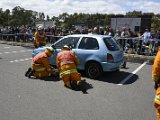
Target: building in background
(45,24)
(137,24)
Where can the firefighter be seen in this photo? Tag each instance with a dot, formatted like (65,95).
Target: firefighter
(40,65)
(39,37)
(156,78)
(67,63)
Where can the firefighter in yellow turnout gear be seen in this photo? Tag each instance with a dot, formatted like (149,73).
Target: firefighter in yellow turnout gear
(156,78)
(39,37)
(67,63)
(40,64)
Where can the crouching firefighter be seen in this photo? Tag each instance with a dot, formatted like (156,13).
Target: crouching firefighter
(40,65)
(67,63)
(156,78)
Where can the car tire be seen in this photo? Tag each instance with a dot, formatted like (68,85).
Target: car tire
(93,70)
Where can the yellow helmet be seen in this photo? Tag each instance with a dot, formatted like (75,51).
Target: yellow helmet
(49,51)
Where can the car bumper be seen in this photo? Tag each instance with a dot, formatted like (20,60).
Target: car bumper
(111,66)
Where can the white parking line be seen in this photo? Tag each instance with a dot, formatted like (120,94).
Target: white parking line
(17,51)
(6,47)
(130,75)
(20,60)
(9,47)
(6,52)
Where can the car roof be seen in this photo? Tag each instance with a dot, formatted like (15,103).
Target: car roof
(88,35)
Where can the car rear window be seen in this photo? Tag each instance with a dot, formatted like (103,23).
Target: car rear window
(111,44)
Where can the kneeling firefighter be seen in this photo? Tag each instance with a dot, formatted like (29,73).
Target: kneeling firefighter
(67,63)
(40,64)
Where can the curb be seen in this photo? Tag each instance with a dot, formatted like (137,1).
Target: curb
(129,57)
(139,58)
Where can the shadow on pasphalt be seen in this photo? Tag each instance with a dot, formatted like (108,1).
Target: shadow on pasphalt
(52,78)
(117,77)
(84,87)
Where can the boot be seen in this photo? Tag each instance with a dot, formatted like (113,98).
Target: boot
(73,84)
(31,73)
(28,71)
(82,86)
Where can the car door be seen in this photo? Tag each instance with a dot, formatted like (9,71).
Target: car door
(87,50)
(70,41)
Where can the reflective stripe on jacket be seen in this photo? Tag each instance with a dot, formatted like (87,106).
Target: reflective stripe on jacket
(157,100)
(37,58)
(66,72)
(66,57)
(157,96)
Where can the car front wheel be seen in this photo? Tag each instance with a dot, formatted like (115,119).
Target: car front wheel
(93,70)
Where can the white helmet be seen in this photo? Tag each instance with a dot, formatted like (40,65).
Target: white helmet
(40,27)
(66,47)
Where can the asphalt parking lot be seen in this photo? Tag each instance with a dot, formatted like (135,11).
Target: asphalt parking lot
(124,95)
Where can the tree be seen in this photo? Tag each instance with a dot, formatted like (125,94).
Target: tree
(20,16)
(134,13)
(156,23)
(6,17)
(63,16)
(48,18)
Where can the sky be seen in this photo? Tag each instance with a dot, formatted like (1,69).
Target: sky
(57,7)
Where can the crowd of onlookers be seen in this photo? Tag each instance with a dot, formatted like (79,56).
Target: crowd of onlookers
(53,30)
(26,33)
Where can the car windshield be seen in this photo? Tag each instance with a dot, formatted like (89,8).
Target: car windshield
(111,44)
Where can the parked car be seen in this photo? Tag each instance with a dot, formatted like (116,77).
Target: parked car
(97,53)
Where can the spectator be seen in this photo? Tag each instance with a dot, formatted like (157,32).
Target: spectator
(123,33)
(146,36)
(110,32)
(117,34)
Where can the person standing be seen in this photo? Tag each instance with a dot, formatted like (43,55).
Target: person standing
(39,37)
(146,37)
(110,32)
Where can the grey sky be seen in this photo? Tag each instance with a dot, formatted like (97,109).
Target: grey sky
(56,7)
